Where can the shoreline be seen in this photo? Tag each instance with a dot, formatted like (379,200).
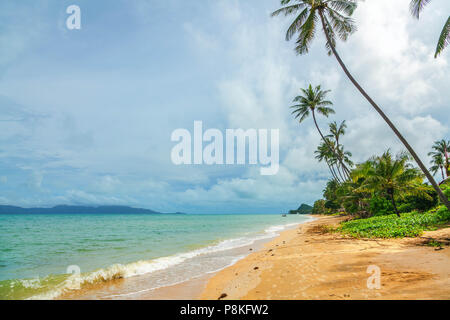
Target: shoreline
(193,289)
(140,287)
(307,263)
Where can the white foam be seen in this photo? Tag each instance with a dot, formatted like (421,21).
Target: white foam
(148,266)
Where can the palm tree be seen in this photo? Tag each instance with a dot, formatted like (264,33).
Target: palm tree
(416,7)
(336,132)
(312,100)
(323,153)
(437,164)
(393,177)
(345,156)
(335,17)
(441,149)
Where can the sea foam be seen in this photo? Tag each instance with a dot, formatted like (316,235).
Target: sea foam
(120,271)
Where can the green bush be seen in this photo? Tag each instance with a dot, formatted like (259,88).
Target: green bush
(380,206)
(408,225)
(319,207)
(443,213)
(419,202)
(332,205)
(446,190)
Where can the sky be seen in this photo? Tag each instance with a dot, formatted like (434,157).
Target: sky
(86,115)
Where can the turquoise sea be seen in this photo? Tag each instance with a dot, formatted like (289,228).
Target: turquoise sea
(44,256)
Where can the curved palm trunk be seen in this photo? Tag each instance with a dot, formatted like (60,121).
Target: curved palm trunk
(334,166)
(325,140)
(346,172)
(332,172)
(340,174)
(383,115)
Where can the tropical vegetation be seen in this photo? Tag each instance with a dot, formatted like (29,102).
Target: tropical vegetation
(334,16)
(386,195)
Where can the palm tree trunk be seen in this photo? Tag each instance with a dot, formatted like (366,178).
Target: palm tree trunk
(332,173)
(446,162)
(442,172)
(325,140)
(395,206)
(340,174)
(383,115)
(346,173)
(335,174)
(344,168)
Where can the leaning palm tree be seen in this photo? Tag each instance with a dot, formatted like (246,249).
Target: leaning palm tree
(345,156)
(336,21)
(394,177)
(323,154)
(313,100)
(416,7)
(336,131)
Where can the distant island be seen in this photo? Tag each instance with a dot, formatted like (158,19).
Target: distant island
(63,209)
(303,209)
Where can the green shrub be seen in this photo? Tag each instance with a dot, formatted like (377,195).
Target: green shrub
(351,206)
(332,205)
(443,213)
(319,207)
(380,206)
(419,202)
(408,225)
(446,190)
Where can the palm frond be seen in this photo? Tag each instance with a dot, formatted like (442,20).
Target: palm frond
(307,32)
(444,39)
(289,9)
(416,7)
(331,34)
(343,26)
(296,25)
(347,6)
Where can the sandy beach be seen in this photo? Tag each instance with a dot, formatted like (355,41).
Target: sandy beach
(308,263)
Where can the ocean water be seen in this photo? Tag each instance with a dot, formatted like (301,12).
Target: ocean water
(45,256)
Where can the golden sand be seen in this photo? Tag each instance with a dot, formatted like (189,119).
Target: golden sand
(309,263)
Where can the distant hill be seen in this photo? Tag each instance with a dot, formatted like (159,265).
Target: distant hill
(76,210)
(303,209)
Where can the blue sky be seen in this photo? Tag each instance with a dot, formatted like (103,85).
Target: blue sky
(86,115)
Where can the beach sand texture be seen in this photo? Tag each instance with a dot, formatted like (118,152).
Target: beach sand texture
(308,263)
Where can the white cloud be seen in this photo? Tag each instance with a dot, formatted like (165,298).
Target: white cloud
(392,61)
(110,141)
(394,65)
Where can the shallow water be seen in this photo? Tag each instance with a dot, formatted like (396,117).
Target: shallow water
(38,253)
